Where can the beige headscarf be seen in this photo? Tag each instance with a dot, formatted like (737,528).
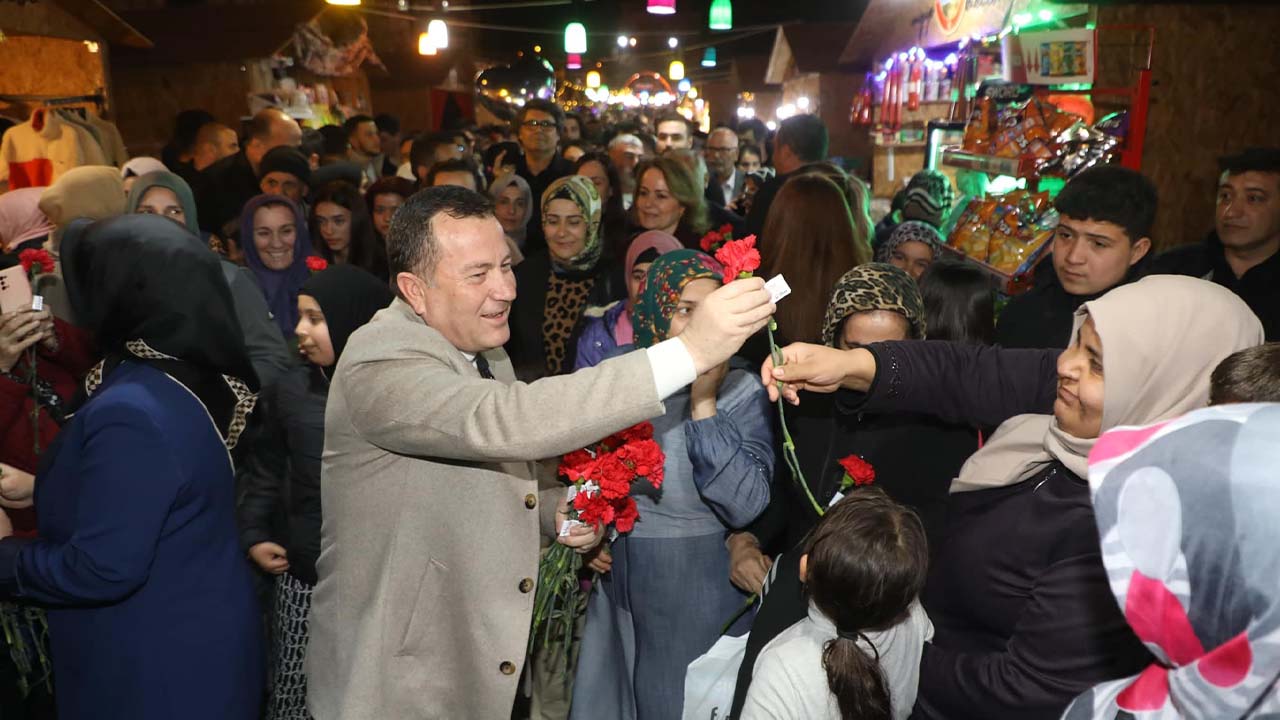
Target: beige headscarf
(91,191)
(1161,339)
(94,192)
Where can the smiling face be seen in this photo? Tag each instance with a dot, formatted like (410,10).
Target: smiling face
(565,228)
(1091,257)
(274,233)
(313,334)
(912,256)
(1248,215)
(1078,407)
(510,208)
(656,207)
(693,294)
(384,208)
(163,202)
(468,299)
(334,223)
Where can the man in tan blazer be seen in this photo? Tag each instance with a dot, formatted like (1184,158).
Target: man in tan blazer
(429,547)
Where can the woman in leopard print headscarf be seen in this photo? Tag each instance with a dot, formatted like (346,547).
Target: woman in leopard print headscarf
(870,287)
(557,283)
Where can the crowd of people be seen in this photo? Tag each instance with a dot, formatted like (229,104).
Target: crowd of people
(282,441)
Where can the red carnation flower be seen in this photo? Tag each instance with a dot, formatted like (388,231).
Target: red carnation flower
(646,459)
(614,476)
(36,256)
(316,264)
(857,470)
(726,229)
(593,509)
(625,516)
(640,431)
(711,241)
(739,257)
(575,463)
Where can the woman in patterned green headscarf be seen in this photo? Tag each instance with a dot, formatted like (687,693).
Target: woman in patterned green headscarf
(659,295)
(557,283)
(668,591)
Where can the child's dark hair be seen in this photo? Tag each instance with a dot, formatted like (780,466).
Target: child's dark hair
(1248,376)
(1114,194)
(959,303)
(867,560)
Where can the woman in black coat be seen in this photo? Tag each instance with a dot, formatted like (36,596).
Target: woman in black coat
(282,473)
(914,455)
(1023,613)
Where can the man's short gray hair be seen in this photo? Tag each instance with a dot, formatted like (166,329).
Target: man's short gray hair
(625,139)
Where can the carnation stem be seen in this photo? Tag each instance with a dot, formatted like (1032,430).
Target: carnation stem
(788,445)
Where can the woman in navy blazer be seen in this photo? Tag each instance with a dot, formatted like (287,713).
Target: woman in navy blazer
(152,612)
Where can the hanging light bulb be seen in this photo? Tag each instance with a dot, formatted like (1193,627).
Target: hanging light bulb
(593,79)
(622,41)
(721,17)
(438,33)
(575,39)
(661,7)
(574,62)
(676,70)
(343,2)
(684,86)
(424,44)
(709,57)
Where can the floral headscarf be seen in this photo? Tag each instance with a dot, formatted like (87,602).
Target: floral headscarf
(660,292)
(582,192)
(1186,513)
(874,286)
(910,231)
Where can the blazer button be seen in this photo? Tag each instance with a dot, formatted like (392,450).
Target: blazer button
(531,501)
(506,668)
(526,585)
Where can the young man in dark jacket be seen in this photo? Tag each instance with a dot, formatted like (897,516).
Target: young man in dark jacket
(1103,234)
(1243,252)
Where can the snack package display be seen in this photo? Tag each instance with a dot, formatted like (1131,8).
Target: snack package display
(972,233)
(1009,233)
(1019,231)
(1061,143)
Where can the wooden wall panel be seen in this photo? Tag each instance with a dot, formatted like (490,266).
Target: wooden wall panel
(1215,71)
(48,66)
(148,97)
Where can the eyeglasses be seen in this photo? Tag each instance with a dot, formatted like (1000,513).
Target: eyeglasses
(539,124)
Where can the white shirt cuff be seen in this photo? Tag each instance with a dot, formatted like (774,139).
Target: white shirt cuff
(672,367)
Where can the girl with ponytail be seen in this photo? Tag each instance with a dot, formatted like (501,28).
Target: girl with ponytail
(857,654)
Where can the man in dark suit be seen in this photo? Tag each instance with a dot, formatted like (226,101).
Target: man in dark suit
(225,186)
(802,139)
(721,154)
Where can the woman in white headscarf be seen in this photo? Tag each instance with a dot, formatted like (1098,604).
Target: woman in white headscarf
(1017,591)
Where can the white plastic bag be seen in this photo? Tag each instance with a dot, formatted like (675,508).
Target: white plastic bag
(710,680)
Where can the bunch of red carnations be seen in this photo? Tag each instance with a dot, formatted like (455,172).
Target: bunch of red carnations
(601,478)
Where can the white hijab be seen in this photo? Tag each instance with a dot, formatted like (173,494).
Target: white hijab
(1161,339)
